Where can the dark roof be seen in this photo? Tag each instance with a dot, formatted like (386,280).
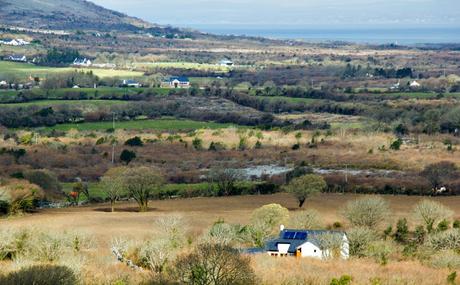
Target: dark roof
(296,238)
(180,78)
(130,81)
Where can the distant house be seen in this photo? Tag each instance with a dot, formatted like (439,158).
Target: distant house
(14,42)
(82,62)
(396,86)
(305,243)
(414,84)
(130,83)
(17,58)
(226,62)
(177,82)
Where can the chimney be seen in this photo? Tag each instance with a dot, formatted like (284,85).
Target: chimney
(281,228)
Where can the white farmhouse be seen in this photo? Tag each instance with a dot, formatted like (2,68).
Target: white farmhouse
(82,62)
(414,84)
(305,243)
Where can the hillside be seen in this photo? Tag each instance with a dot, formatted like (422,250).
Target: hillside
(65,14)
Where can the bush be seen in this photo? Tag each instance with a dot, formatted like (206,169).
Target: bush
(214,264)
(41,275)
(402,231)
(380,250)
(308,219)
(449,239)
(12,243)
(359,240)
(366,212)
(446,259)
(20,195)
(430,213)
(265,222)
(136,141)
(46,179)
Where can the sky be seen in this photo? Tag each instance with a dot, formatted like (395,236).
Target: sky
(292,13)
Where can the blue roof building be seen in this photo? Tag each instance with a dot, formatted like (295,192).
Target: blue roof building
(308,243)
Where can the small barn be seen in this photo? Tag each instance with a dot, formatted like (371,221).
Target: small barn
(306,243)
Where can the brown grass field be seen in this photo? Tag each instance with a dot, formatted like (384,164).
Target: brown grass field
(200,213)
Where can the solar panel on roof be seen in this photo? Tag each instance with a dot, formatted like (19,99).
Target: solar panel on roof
(289,235)
(300,235)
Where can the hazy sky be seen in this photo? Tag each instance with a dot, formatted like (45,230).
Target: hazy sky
(301,13)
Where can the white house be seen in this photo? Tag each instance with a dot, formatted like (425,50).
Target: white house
(305,243)
(17,58)
(131,83)
(82,62)
(14,42)
(226,62)
(177,82)
(414,84)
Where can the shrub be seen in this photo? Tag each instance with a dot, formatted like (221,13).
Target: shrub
(330,244)
(46,179)
(265,221)
(366,212)
(216,146)
(12,243)
(214,264)
(156,255)
(396,145)
(402,231)
(446,259)
(430,213)
(197,143)
(344,280)
(308,219)
(380,250)
(359,240)
(449,239)
(456,224)
(443,225)
(41,275)
(20,195)
(127,156)
(226,234)
(135,141)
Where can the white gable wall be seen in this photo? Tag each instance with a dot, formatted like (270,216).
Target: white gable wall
(311,250)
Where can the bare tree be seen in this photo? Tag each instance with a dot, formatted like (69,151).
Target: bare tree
(112,185)
(225,179)
(141,183)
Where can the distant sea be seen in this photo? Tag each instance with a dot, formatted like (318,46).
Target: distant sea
(402,36)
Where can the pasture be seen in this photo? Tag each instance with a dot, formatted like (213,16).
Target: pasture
(157,124)
(26,69)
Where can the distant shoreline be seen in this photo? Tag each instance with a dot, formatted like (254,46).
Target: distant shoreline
(402,36)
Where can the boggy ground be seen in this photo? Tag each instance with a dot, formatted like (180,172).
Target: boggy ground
(200,213)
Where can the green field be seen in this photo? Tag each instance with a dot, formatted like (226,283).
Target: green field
(158,124)
(96,191)
(87,93)
(83,103)
(27,69)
